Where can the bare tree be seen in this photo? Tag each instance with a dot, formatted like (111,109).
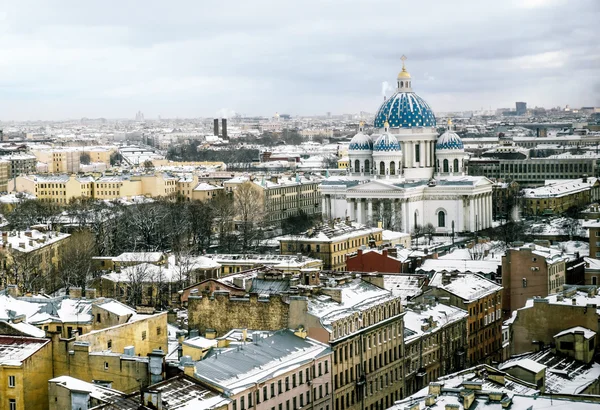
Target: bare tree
(477,252)
(417,232)
(428,232)
(25,271)
(136,276)
(249,209)
(224,212)
(76,260)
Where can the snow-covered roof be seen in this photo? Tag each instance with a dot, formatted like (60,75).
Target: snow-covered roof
(467,286)
(441,314)
(403,286)
(95,391)
(526,364)
(356,296)
(203,186)
(27,329)
(200,342)
(236,369)
(463,266)
(15,349)
(30,240)
(139,257)
(117,308)
(564,375)
(587,333)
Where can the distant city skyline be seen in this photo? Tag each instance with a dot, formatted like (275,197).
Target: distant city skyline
(189,60)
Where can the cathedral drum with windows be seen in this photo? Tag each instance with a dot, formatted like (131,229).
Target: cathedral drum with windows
(405,175)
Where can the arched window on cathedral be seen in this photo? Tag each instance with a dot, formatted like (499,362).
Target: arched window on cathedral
(416,219)
(401,84)
(441,219)
(382,168)
(357,166)
(392,168)
(455,165)
(367,166)
(438,165)
(445,165)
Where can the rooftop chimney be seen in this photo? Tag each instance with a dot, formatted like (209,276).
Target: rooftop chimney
(216,128)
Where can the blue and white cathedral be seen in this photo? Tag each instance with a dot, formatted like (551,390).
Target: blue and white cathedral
(406,175)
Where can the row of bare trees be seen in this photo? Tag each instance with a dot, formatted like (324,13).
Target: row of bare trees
(230,222)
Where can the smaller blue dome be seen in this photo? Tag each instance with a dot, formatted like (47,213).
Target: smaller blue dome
(361,142)
(449,140)
(386,142)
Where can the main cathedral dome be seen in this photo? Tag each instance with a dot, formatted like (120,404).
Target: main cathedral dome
(404,109)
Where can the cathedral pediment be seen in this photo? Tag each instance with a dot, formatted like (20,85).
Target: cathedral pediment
(376,186)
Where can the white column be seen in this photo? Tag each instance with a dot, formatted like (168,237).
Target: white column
(409,154)
(348,209)
(426,145)
(393,212)
(403,222)
(369,211)
(359,211)
(472,212)
(324,206)
(489,208)
(352,210)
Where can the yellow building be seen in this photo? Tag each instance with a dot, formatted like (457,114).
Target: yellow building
(60,189)
(27,257)
(331,244)
(100,154)
(204,191)
(343,163)
(25,369)
(558,197)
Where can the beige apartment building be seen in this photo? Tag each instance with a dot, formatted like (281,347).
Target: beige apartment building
(63,188)
(282,196)
(4,175)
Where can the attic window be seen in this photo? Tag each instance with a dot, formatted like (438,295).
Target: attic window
(533,259)
(105,365)
(109,344)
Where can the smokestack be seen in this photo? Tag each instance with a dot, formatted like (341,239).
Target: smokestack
(224,127)
(216,127)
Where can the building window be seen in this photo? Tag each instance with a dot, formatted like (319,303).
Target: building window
(143,335)
(109,344)
(418,153)
(455,165)
(12,404)
(445,166)
(566,345)
(441,219)
(98,316)
(105,365)
(594,280)
(11,381)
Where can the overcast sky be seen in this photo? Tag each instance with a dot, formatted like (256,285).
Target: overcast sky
(69,59)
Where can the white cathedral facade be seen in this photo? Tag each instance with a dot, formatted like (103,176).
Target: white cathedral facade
(404,175)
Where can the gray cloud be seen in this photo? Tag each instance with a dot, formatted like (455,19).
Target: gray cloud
(186,58)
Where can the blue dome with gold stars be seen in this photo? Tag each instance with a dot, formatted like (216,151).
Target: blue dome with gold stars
(386,142)
(449,140)
(405,109)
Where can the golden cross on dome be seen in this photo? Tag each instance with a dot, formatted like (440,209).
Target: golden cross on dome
(403,58)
